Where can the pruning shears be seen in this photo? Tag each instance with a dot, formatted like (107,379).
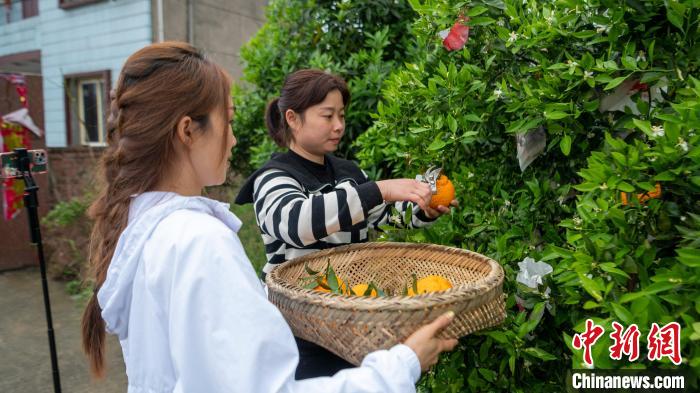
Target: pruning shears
(430,176)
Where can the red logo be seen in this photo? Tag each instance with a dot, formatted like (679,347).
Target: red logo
(586,340)
(625,343)
(665,342)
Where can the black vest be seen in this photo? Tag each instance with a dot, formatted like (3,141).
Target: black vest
(342,169)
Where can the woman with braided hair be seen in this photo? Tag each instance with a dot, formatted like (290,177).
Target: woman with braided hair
(172,280)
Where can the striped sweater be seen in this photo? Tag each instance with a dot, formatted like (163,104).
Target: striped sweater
(302,207)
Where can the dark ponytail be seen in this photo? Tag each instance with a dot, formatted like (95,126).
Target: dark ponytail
(302,89)
(276,124)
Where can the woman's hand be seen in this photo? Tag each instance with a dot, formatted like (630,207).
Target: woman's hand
(406,190)
(428,347)
(440,210)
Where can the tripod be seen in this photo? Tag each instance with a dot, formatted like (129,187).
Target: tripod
(31,202)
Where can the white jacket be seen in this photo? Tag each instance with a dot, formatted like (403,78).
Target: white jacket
(192,316)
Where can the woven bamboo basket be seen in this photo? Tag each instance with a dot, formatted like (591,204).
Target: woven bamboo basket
(353,326)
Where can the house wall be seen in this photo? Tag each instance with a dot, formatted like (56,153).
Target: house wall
(19,35)
(85,39)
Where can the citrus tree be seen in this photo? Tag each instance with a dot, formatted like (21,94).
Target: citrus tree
(570,131)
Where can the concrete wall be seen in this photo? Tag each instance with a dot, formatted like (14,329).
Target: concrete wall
(219,27)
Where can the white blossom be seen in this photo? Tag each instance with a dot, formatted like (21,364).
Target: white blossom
(657,131)
(604,186)
(498,93)
(682,144)
(531,272)
(578,221)
(396,219)
(601,28)
(513,36)
(587,74)
(641,56)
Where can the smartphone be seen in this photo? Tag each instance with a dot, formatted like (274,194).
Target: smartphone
(10,169)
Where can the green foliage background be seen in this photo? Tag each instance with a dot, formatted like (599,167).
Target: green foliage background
(528,65)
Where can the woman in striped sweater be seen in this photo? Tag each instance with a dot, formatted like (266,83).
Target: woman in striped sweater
(306,199)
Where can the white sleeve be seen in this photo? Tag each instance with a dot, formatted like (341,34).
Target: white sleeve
(225,336)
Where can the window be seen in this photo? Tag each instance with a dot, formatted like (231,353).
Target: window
(30,8)
(16,10)
(86,104)
(67,4)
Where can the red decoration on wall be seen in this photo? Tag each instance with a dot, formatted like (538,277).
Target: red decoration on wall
(12,136)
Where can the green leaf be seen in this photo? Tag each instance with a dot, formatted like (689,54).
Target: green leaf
(452,123)
(437,144)
(675,18)
(473,117)
(499,337)
(309,270)
(615,82)
(643,125)
(591,287)
(565,145)
(555,115)
(478,10)
(622,313)
(539,353)
(624,186)
(689,256)
(610,268)
(665,176)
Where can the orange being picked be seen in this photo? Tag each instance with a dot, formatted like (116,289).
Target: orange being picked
(445,192)
(360,290)
(430,283)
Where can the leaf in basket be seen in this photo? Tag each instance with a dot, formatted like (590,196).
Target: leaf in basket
(310,271)
(332,279)
(415,283)
(320,282)
(373,286)
(404,292)
(307,281)
(310,285)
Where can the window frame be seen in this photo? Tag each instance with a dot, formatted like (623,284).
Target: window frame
(78,79)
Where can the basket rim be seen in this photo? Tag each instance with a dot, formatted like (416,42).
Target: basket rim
(458,294)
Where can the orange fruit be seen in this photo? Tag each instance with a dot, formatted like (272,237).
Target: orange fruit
(430,284)
(445,192)
(360,290)
(655,194)
(341,285)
